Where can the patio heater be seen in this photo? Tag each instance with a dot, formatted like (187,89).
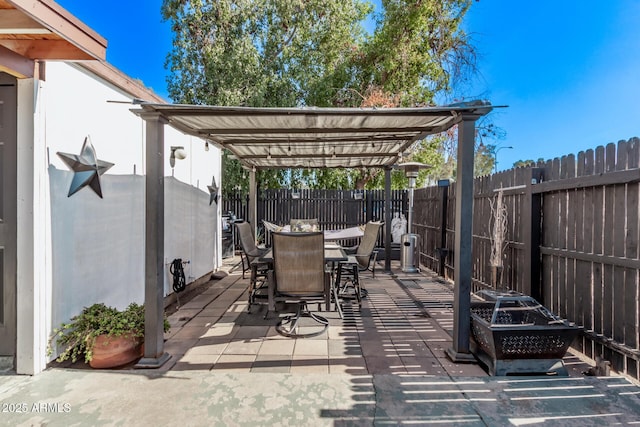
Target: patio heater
(410,243)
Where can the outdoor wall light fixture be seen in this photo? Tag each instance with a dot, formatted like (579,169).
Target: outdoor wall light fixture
(177,152)
(269,154)
(206,146)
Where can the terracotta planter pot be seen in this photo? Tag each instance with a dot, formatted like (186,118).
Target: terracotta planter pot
(111,352)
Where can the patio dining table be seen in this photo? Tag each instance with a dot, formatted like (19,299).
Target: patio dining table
(333,254)
(329,235)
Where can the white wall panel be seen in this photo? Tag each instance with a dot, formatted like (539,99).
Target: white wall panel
(98,244)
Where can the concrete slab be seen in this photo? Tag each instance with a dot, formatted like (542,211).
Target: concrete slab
(62,397)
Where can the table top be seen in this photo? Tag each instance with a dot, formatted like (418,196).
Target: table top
(332,253)
(329,235)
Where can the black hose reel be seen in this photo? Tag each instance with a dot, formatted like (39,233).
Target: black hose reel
(177,271)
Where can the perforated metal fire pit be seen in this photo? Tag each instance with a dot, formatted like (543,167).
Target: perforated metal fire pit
(513,333)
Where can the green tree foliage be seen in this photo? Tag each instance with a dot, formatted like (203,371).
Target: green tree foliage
(291,53)
(484,161)
(415,49)
(258,53)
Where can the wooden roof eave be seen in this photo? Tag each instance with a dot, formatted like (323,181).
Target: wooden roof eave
(61,36)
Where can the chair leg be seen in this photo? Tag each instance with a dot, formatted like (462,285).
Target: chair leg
(372,262)
(336,289)
(352,280)
(244,261)
(289,324)
(336,298)
(252,284)
(271,294)
(356,285)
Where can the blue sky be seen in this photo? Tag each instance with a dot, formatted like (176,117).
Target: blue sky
(567,69)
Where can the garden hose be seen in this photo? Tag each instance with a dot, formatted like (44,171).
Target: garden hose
(178,275)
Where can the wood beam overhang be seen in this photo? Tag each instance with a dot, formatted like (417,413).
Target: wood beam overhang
(43,30)
(16,65)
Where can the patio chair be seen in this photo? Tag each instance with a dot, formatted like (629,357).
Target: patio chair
(299,276)
(250,259)
(361,258)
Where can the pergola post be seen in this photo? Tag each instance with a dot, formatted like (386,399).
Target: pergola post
(387,219)
(154,354)
(459,352)
(253,202)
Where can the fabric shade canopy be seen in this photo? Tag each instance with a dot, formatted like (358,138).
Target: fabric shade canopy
(266,138)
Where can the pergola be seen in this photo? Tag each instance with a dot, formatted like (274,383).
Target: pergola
(265,138)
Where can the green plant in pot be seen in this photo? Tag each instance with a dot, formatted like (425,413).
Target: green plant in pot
(105,336)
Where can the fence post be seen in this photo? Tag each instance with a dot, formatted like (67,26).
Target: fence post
(531,221)
(442,250)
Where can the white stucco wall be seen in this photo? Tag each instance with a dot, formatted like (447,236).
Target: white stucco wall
(97,244)
(77,106)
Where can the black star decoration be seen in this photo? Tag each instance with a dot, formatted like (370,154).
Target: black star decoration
(86,168)
(213,191)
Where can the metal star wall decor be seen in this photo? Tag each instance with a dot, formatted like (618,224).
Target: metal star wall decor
(213,191)
(86,168)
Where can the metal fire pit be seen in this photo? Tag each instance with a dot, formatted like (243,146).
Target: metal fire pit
(514,334)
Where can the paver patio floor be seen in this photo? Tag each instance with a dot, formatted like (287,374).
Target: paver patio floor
(383,364)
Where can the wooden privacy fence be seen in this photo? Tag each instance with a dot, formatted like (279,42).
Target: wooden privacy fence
(334,209)
(572,236)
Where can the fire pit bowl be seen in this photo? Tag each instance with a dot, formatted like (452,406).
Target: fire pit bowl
(514,334)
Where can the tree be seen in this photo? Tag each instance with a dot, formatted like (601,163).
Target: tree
(416,48)
(314,52)
(484,160)
(257,53)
